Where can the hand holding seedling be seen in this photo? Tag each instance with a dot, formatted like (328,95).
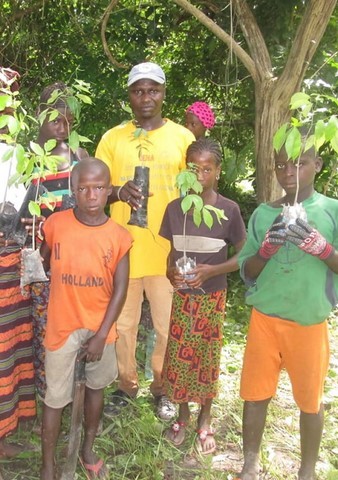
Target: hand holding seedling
(200,274)
(274,238)
(309,240)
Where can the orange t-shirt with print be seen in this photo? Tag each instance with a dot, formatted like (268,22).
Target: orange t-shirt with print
(83,262)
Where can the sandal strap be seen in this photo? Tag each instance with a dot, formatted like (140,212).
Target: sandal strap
(203,433)
(176,426)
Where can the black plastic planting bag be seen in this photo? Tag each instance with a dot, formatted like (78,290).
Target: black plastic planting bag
(10,220)
(139,217)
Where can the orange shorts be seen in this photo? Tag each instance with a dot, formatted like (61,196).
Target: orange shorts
(274,344)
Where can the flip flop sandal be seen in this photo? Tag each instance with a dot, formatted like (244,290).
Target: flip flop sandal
(202,435)
(96,470)
(175,428)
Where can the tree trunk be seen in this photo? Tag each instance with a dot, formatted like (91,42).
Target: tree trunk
(270,114)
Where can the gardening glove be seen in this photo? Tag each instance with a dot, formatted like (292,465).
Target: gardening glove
(309,240)
(274,238)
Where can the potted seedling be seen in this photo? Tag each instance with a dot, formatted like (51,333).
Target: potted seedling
(139,217)
(192,204)
(298,136)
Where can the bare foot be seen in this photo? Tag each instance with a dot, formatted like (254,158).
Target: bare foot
(176,433)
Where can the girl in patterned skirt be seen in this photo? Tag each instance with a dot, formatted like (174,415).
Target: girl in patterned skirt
(192,361)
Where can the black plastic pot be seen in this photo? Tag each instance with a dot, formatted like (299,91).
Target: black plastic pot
(139,217)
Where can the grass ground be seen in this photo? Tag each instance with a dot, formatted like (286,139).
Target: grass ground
(133,445)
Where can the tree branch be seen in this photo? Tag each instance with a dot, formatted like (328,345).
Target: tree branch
(254,38)
(309,33)
(106,49)
(222,35)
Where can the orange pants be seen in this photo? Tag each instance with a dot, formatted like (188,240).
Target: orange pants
(273,344)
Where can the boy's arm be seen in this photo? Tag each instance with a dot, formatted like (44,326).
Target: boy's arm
(95,345)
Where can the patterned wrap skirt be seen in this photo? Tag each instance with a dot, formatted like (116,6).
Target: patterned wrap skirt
(192,360)
(17,393)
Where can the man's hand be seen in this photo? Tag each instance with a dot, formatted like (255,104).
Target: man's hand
(130,193)
(274,238)
(309,240)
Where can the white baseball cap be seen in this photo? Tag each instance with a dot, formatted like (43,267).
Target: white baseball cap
(147,70)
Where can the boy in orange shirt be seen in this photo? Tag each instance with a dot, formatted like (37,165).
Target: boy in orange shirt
(88,254)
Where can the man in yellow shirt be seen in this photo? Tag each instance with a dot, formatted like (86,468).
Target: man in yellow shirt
(163,152)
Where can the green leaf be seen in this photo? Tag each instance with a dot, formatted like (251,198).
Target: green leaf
(207,218)
(5,100)
(319,139)
(280,137)
(42,116)
(293,143)
(74,106)
(331,128)
(309,143)
(34,208)
(55,94)
(20,155)
(197,217)
(298,100)
(4,120)
(220,215)
(334,142)
(7,155)
(35,147)
(74,141)
(197,201)
(13,125)
(197,187)
(53,114)
(186,203)
(84,98)
(83,139)
(50,145)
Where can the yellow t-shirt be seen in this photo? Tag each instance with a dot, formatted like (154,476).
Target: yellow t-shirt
(165,157)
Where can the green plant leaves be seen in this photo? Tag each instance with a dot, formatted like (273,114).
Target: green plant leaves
(292,135)
(34,208)
(35,147)
(293,143)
